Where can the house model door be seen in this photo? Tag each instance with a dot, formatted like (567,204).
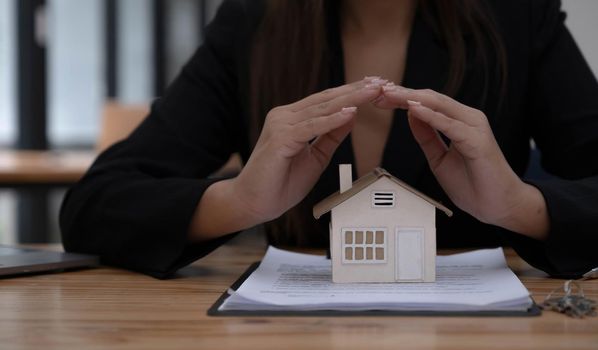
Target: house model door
(409,257)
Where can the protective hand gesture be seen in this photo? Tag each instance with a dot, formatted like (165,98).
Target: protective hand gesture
(296,145)
(472,170)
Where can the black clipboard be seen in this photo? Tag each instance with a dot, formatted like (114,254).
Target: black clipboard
(534,310)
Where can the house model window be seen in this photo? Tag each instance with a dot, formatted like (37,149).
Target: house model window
(364,245)
(383,199)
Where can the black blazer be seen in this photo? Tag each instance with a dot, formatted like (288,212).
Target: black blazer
(134,205)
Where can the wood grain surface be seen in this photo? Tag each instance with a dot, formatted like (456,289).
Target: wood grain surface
(111,308)
(43,167)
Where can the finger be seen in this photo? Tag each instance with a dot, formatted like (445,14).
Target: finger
(454,129)
(397,97)
(429,141)
(330,94)
(354,98)
(325,145)
(385,102)
(312,128)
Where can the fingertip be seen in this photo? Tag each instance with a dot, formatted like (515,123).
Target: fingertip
(416,107)
(375,84)
(379,99)
(395,95)
(370,87)
(413,103)
(369,78)
(413,110)
(389,87)
(348,110)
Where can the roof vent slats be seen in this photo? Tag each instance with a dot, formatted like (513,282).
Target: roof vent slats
(383,199)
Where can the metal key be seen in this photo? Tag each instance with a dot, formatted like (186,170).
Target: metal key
(573,305)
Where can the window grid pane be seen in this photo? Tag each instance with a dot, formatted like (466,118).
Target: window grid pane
(349,253)
(358,237)
(349,237)
(364,245)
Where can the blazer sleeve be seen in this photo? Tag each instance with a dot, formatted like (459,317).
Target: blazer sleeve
(134,205)
(563,105)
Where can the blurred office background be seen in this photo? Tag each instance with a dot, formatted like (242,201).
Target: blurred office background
(82,54)
(62,61)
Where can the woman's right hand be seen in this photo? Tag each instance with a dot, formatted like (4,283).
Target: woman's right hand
(294,148)
(296,145)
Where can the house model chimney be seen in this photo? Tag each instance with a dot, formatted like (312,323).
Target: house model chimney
(346,178)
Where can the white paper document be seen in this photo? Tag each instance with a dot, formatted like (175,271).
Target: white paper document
(477,280)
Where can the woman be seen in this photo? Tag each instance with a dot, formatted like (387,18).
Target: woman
(512,72)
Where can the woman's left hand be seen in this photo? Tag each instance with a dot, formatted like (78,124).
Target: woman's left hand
(472,170)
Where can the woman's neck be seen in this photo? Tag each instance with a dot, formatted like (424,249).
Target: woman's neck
(372,17)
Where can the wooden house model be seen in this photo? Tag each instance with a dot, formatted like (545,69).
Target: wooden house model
(381,229)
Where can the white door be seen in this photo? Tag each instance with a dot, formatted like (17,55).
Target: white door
(409,254)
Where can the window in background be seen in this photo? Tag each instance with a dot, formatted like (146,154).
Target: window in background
(134,60)
(8,89)
(7,217)
(75,71)
(77,59)
(7,73)
(211,8)
(76,87)
(581,20)
(183,34)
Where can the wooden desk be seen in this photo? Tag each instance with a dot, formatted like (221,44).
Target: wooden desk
(33,174)
(111,308)
(43,168)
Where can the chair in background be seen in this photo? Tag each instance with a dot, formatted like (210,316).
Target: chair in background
(119,120)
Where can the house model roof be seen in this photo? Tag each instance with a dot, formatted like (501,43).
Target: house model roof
(337,198)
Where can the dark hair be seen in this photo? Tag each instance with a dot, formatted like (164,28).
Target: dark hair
(289,61)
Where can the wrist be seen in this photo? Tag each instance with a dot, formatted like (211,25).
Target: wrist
(220,212)
(526,212)
(245,202)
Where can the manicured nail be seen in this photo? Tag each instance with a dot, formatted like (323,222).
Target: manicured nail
(414,103)
(379,81)
(348,110)
(374,85)
(378,99)
(389,87)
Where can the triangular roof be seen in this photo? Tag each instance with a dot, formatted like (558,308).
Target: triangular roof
(337,198)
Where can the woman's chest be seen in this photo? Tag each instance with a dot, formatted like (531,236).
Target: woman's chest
(372,127)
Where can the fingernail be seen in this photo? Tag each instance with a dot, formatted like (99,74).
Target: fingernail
(348,110)
(414,103)
(379,81)
(389,87)
(378,99)
(371,77)
(373,86)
